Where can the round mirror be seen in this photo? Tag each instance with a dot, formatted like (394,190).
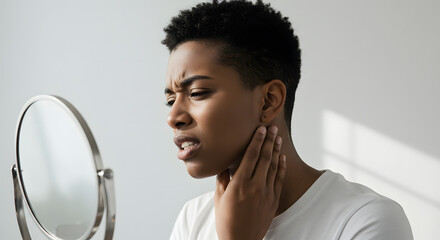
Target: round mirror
(58,165)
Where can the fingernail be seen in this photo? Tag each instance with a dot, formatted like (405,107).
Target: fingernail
(262,130)
(273,129)
(278,140)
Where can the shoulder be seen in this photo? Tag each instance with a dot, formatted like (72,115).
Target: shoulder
(195,206)
(192,211)
(368,215)
(381,218)
(372,216)
(350,192)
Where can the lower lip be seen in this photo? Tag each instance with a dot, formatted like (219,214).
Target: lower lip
(189,152)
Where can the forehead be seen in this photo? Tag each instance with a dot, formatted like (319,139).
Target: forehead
(192,58)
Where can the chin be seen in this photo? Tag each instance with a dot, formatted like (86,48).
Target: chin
(199,172)
(200,167)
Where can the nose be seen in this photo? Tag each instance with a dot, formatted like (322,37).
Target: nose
(178,116)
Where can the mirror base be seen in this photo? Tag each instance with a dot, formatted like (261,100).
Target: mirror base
(106,176)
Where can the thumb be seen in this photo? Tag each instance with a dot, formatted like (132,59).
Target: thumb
(223,179)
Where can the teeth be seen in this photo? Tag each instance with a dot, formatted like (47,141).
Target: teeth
(186,145)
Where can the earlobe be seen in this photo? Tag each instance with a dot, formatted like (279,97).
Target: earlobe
(264,120)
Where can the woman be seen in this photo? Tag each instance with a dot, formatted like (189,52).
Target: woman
(232,75)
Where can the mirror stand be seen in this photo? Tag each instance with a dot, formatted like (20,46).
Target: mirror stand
(19,210)
(105,176)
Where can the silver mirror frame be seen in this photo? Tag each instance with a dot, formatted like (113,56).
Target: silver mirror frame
(106,193)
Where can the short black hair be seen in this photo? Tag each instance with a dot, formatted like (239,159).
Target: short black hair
(257,41)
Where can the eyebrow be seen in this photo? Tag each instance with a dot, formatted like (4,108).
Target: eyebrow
(187,81)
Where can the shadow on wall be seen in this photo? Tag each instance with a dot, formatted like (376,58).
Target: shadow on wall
(390,167)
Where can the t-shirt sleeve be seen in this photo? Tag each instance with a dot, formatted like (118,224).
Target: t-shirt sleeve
(180,229)
(380,219)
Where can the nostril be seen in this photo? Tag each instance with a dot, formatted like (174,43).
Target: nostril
(180,124)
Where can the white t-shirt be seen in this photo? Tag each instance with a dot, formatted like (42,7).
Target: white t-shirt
(332,208)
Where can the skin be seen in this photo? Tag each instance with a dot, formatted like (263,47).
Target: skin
(257,179)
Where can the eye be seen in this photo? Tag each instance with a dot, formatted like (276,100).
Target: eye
(169,103)
(198,94)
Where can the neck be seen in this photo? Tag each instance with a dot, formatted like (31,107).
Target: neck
(299,176)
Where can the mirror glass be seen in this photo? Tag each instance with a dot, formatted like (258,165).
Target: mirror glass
(58,171)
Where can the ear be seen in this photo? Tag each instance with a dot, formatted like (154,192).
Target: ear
(274,95)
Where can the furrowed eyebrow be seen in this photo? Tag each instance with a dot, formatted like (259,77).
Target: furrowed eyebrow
(187,81)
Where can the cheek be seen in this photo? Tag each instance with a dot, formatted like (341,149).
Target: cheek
(230,124)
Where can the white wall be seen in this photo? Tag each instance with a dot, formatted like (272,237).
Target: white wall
(367,104)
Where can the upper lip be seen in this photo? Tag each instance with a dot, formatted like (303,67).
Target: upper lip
(181,138)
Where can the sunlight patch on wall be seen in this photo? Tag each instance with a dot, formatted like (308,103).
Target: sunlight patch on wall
(391,168)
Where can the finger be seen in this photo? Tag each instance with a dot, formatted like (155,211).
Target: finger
(250,157)
(273,169)
(266,155)
(281,173)
(223,179)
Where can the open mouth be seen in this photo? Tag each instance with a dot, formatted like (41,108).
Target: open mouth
(188,150)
